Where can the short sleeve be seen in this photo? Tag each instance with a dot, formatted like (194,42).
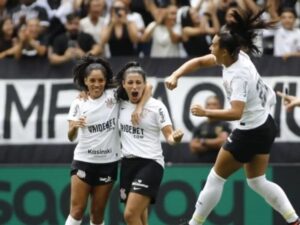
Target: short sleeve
(239,87)
(163,116)
(74,112)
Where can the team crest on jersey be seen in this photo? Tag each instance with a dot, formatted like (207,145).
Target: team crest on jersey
(110,102)
(123,193)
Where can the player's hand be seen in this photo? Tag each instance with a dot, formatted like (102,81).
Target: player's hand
(171,82)
(289,101)
(83,95)
(197,110)
(136,116)
(177,135)
(80,123)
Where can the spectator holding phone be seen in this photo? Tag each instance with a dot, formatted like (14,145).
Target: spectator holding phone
(165,35)
(121,34)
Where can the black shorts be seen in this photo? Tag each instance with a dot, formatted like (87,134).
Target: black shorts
(95,174)
(141,176)
(244,144)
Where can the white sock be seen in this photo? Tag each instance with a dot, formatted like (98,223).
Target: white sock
(208,198)
(71,221)
(275,196)
(91,223)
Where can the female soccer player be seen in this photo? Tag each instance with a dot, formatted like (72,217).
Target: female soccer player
(250,98)
(96,156)
(142,163)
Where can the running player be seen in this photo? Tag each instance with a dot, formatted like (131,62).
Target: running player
(250,98)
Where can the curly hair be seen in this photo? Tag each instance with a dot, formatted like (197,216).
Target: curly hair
(130,67)
(89,63)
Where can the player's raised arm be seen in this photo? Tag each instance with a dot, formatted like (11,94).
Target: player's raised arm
(189,67)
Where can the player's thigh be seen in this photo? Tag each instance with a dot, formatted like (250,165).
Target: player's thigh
(100,195)
(79,192)
(226,164)
(257,166)
(137,204)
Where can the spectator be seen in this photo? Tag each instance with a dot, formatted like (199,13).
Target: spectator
(210,135)
(3,9)
(31,42)
(287,37)
(7,38)
(29,9)
(165,35)
(72,44)
(95,21)
(121,34)
(196,30)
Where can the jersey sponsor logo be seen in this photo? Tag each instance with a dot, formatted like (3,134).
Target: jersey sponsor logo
(139,183)
(105,179)
(106,126)
(99,151)
(137,132)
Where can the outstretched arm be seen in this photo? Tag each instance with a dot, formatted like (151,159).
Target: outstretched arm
(188,67)
(289,101)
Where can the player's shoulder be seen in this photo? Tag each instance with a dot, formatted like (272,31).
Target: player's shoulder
(154,103)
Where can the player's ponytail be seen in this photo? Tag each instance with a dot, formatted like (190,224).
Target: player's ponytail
(241,32)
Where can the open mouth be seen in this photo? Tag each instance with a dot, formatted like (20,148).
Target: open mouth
(134,94)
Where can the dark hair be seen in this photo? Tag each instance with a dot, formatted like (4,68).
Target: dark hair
(130,67)
(89,63)
(186,20)
(242,32)
(72,16)
(2,21)
(288,9)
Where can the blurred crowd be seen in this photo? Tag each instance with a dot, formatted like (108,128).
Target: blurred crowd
(63,30)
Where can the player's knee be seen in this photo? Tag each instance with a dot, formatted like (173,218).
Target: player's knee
(130,216)
(96,214)
(257,183)
(77,212)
